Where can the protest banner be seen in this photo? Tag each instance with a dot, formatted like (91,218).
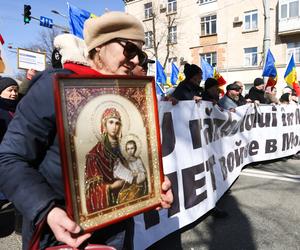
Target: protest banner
(204,151)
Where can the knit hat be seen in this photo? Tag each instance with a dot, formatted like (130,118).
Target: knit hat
(111,25)
(258,81)
(210,82)
(6,82)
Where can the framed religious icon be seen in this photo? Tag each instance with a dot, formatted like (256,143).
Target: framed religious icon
(110,147)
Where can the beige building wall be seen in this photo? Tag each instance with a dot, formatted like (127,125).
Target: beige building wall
(229,42)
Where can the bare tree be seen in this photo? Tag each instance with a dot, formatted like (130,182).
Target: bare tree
(162,39)
(44,43)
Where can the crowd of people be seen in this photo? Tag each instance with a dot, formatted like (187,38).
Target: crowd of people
(189,89)
(31,176)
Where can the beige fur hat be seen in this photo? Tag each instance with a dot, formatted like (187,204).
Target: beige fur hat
(71,48)
(111,25)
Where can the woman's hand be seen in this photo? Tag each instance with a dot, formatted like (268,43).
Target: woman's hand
(65,229)
(167,196)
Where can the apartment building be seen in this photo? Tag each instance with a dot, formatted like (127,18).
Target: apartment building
(229,34)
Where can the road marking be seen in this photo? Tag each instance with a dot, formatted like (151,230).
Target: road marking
(271,175)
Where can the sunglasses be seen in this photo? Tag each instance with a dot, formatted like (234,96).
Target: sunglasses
(131,51)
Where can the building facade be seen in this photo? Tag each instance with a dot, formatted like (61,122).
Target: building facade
(229,34)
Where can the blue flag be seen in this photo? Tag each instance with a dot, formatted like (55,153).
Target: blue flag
(77,18)
(207,70)
(174,74)
(269,69)
(160,78)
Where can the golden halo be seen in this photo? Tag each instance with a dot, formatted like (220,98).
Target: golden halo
(131,137)
(102,106)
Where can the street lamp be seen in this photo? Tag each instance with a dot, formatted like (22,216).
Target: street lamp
(58,13)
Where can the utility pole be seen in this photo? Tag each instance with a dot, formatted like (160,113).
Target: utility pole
(267,39)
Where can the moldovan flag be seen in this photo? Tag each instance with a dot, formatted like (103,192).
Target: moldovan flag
(77,18)
(220,79)
(290,76)
(270,70)
(161,78)
(2,64)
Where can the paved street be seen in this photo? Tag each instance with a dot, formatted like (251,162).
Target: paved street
(264,213)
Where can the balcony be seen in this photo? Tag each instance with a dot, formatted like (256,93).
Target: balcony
(289,26)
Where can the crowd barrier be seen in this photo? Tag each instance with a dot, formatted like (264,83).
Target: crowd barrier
(204,150)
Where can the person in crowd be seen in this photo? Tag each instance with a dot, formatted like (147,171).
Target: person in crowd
(9,98)
(30,164)
(294,97)
(256,93)
(211,90)
(242,100)
(230,100)
(56,59)
(142,68)
(287,89)
(189,88)
(9,93)
(285,98)
(270,95)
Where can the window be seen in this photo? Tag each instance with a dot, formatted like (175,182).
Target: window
(149,39)
(211,58)
(172,6)
(289,9)
(250,56)
(206,1)
(250,20)
(173,34)
(208,25)
(293,48)
(148,10)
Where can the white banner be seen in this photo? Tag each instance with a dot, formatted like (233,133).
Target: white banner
(204,150)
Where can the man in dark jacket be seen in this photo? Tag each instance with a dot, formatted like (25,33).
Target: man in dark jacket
(211,90)
(230,99)
(257,93)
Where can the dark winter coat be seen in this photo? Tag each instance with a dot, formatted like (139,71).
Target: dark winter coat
(31,174)
(7,110)
(186,91)
(256,94)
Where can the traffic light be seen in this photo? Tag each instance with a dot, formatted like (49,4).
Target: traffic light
(27,13)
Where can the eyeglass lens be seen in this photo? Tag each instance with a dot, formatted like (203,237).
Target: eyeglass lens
(131,50)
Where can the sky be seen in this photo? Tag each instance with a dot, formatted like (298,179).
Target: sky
(18,35)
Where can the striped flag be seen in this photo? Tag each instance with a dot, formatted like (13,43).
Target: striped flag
(290,75)
(270,70)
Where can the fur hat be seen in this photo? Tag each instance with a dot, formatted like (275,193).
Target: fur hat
(111,25)
(6,82)
(258,81)
(191,70)
(210,82)
(71,48)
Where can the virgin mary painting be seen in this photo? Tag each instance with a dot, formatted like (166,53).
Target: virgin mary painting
(101,186)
